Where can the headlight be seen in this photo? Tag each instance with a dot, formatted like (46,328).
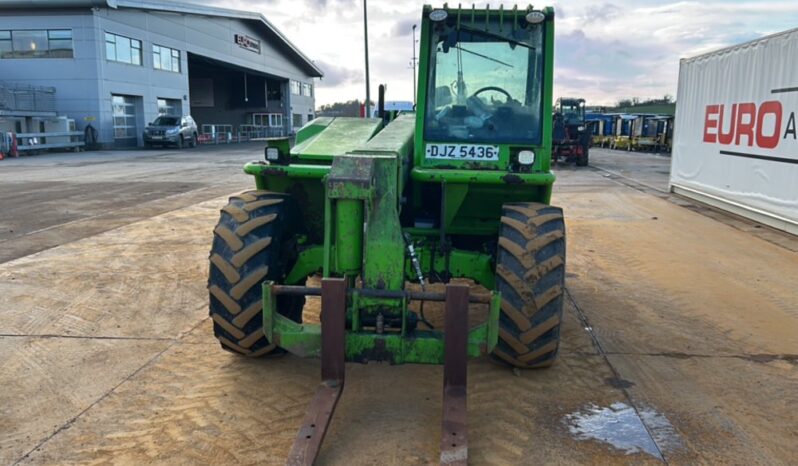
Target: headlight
(580,128)
(526,157)
(277,155)
(173,131)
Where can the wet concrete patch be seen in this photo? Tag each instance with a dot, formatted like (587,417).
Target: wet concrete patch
(726,410)
(620,426)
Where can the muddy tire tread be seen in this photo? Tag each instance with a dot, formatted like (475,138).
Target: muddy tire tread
(245,252)
(530,274)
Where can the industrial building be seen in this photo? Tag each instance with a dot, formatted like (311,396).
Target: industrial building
(118,64)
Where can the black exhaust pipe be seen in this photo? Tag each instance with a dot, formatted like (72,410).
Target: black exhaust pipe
(381,102)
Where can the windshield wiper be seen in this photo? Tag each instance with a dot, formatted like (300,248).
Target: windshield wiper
(484,56)
(496,36)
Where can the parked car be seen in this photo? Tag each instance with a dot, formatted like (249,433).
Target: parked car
(171,130)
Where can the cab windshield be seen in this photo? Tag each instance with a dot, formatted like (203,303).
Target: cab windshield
(485,84)
(573,112)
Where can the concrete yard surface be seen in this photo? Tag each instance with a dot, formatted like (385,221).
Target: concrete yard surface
(680,335)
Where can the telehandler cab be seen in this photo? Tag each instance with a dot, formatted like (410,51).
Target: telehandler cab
(460,189)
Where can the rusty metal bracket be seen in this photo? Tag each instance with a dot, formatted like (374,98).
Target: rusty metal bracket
(454,442)
(317,419)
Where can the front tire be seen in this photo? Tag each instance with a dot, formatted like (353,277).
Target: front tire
(252,242)
(530,274)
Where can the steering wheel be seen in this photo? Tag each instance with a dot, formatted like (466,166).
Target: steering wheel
(493,88)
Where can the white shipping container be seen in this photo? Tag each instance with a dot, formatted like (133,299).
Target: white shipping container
(735,142)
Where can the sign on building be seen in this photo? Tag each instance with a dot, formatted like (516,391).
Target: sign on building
(249,43)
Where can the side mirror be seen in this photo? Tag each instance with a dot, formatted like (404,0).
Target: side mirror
(149,124)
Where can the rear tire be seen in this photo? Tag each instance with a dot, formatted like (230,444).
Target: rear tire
(194,140)
(582,160)
(530,274)
(253,242)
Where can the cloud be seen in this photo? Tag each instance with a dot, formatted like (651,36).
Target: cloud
(327,3)
(628,48)
(404,27)
(335,75)
(603,12)
(604,51)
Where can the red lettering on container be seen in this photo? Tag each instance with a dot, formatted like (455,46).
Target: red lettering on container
(710,123)
(749,121)
(723,137)
(745,127)
(771,107)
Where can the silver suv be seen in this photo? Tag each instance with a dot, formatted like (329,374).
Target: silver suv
(171,130)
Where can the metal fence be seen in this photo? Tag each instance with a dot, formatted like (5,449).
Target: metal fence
(216,134)
(53,140)
(12,144)
(27,98)
(249,132)
(224,134)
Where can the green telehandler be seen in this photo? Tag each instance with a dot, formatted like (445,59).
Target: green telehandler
(460,189)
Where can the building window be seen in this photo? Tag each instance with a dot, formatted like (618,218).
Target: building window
(122,49)
(29,44)
(297,121)
(53,43)
(276,120)
(298,88)
(272,120)
(169,107)
(59,43)
(6,46)
(164,58)
(310,117)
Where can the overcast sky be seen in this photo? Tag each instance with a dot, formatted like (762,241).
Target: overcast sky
(605,51)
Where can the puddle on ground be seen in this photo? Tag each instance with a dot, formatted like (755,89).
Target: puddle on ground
(620,426)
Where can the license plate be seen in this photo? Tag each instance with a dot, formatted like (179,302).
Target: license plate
(156,137)
(462,152)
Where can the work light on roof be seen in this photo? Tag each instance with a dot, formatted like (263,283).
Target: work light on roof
(438,15)
(535,17)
